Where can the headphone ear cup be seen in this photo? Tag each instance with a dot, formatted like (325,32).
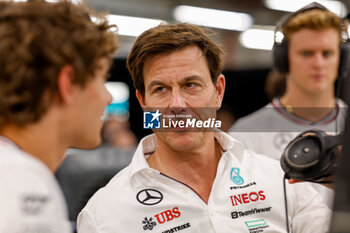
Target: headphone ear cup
(301,157)
(280,57)
(306,157)
(344,57)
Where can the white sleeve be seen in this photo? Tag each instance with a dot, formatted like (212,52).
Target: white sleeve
(307,212)
(253,141)
(86,223)
(243,137)
(28,204)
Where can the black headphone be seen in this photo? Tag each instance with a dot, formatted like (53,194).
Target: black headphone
(280,46)
(311,156)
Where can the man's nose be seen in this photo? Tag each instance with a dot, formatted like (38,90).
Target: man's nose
(109,97)
(318,60)
(178,102)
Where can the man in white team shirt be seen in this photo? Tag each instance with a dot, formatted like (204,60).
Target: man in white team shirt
(312,41)
(180,181)
(53,65)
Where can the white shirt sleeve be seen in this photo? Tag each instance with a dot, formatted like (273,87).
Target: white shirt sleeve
(85,223)
(30,203)
(309,213)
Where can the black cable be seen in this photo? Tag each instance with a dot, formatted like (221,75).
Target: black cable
(285,200)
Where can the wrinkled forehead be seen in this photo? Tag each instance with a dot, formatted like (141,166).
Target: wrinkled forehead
(184,58)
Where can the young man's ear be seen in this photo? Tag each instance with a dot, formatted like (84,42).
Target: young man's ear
(220,89)
(140,98)
(65,84)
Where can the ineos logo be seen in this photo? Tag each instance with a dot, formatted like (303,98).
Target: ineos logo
(149,197)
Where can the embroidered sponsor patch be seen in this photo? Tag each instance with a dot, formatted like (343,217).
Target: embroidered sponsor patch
(238,214)
(235,177)
(178,228)
(256,226)
(149,197)
(245,198)
(160,218)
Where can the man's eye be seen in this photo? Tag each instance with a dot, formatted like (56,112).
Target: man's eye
(327,53)
(306,53)
(190,85)
(159,89)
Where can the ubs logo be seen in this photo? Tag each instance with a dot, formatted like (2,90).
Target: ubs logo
(168,215)
(149,197)
(148,223)
(164,216)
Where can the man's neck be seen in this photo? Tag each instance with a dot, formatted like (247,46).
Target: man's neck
(308,106)
(38,141)
(197,169)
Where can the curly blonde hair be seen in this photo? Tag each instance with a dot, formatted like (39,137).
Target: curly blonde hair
(315,19)
(36,40)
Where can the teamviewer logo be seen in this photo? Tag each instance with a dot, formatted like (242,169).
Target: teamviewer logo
(151,120)
(234,214)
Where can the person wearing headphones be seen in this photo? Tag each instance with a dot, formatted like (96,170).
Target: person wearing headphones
(53,65)
(309,50)
(184,179)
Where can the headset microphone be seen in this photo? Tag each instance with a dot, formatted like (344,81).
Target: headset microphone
(311,156)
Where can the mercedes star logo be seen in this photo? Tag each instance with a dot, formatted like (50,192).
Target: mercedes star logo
(149,196)
(281,140)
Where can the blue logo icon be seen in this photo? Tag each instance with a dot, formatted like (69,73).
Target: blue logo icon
(151,120)
(235,177)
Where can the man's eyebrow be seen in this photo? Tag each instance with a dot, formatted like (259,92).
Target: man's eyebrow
(160,83)
(306,50)
(154,83)
(193,77)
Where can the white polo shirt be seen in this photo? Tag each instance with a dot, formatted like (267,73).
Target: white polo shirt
(246,196)
(30,198)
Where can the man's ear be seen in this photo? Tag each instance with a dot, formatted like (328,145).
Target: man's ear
(65,83)
(220,90)
(140,98)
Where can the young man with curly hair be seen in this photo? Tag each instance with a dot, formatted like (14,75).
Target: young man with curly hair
(53,65)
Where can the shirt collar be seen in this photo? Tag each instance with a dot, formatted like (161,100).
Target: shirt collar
(139,164)
(149,143)
(9,143)
(228,143)
(276,103)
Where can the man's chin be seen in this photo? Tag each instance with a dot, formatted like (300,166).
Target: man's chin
(183,141)
(88,145)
